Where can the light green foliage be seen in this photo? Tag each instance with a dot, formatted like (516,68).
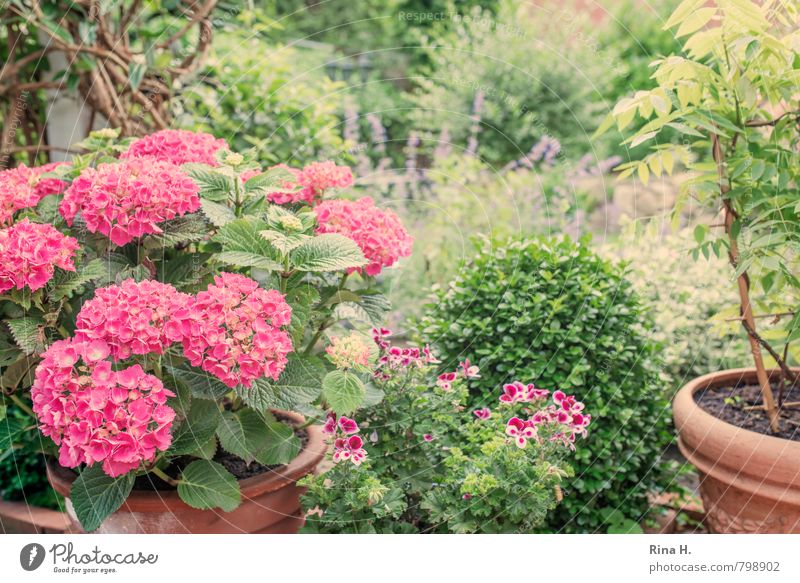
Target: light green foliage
(550,311)
(688,301)
(536,78)
(275,98)
(732,91)
(469,478)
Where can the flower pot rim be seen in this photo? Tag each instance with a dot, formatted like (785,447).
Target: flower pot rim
(304,463)
(684,398)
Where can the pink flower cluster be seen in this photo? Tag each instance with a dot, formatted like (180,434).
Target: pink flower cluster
(131,317)
(564,421)
(516,392)
(346,445)
(99,415)
(483,413)
(310,183)
(24,187)
(393,358)
(30,252)
(177,146)
(378,233)
(465,369)
(233,330)
(126,201)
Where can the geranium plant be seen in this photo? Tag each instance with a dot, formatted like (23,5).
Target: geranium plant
(163,297)
(733,96)
(427,463)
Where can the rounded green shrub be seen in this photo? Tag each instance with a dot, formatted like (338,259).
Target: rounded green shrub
(552,312)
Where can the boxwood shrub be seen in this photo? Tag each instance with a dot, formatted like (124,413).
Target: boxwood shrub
(552,312)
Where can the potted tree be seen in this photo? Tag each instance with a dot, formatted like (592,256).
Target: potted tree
(165,305)
(733,96)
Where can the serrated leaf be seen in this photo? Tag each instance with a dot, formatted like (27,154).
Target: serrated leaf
(246,259)
(343,391)
(243,434)
(205,484)
(219,214)
(201,384)
(327,252)
(68,282)
(207,450)
(273,180)
(200,426)
(214,184)
(28,333)
(282,445)
(284,242)
(300,382)
(95,495)
(186,229)
(301,300)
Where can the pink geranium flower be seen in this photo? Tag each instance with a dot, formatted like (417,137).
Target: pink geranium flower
(128,200)
(483,413)
(516,392)
(29,254)
(378,233)
(349,448)
(520,430)
(177,147)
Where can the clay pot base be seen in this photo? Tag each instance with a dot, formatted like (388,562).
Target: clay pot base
(270,501)
(749,482)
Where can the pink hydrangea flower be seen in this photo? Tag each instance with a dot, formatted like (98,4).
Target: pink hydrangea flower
(320,176)
(24,187)
(131,317)
(177,146)
(96,414)
(349,448)
(348,352)
(234,330)
(126,201)
(378,233)
(516,392)
(30,252)
(483,413)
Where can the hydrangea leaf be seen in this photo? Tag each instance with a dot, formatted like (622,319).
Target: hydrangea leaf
(282,445)
(327,252)
(205,484)
(343,391)
(96,495)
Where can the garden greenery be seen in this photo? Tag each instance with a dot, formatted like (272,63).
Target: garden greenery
(436,465)
(551,310)
(732,94)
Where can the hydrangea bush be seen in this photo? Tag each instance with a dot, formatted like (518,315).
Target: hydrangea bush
(162,297)
(435,465)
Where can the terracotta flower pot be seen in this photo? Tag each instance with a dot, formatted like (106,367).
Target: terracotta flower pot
(750,483)
(270,501)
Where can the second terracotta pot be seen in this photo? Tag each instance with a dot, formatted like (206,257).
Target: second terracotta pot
(749,482)
(270,501)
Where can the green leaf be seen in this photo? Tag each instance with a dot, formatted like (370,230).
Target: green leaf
(136,74)
(285,242)
(95,495)
(328,252)
(213,183)
(246,259)
(68,282)
(27,333)
(270,181)
(10,431)
(301,300)
(195,431)
(219,214)
(205,484)
(300,382)
(186,229)
(243,434)
(343,391)
(282,445)
(201,384)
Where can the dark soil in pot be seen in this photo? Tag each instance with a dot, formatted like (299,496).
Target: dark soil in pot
(729,404)
(234,464)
